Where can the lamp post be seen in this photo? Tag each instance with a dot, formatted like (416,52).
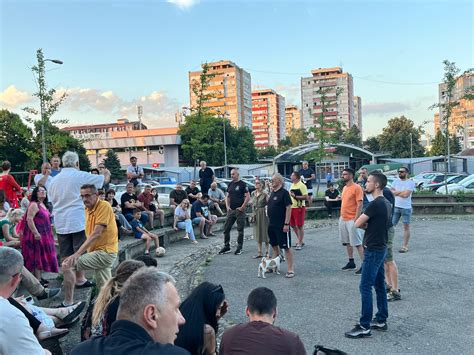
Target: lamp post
(41,80)
(222,115)
(411,151)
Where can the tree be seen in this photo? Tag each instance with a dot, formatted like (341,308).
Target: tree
(112,162)
(352,136)
(296,137)
(200,89)
(267,152)
(438,146)
(395,138)
(16,141)
(449,101)
(241,146)
(372,144)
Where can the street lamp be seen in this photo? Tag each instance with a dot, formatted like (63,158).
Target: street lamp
(222,115)
(41,80)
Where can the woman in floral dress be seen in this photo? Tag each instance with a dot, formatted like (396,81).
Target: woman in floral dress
(37,241)
(260,228)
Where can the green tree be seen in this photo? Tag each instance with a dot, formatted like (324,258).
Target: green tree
(268,152)
(372,144)
(395,138)
(112,162)
(241,146)
(438,146)
(16,141)
(296,137)
(200,89)
(352,136)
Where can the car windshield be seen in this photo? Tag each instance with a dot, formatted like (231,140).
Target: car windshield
(467,179)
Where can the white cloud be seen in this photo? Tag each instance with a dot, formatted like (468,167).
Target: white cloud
(12,98)
(183,4)
(375,108)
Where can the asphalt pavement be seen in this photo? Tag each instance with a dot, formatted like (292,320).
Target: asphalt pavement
(435,315)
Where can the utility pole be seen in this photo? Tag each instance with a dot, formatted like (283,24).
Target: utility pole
(140,114)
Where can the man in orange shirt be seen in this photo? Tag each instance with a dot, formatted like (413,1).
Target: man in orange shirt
(351,208)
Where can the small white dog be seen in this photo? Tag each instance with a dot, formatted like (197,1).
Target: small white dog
(268,264)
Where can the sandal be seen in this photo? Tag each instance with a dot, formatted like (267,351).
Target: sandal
(403,250)
(53,333)
(44,282)
(74,313)
(298,247)
(258,256)
(290,275)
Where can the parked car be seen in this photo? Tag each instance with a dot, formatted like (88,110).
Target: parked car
(439,181)
(164,180)
(466,185)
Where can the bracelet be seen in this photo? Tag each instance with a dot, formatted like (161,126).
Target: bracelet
(287,224)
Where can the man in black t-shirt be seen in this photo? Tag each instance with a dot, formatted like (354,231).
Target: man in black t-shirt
(129,202)
(279,215)
(332,199)
(308,177)
(376,220)
(177,196)
(193,192)
(206,177)
(201,216)
(236,201)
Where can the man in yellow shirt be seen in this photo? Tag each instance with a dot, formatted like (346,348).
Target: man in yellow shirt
(299,196)
(101,244)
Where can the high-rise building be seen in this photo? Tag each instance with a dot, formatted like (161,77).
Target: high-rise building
(292,118)
(358,113)
(232,91)
(461,121)
(268,118)
(330,79)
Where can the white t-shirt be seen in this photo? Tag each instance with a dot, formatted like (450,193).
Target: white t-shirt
(16,335)
(65,194)
(38,177)
(399,185)
(135,170)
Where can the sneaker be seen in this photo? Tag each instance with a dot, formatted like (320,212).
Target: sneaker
(203,236)
(48,293)
(224,250)
(359,271)
(238,251)
(394,296)
(349,266)
(375,324)
(358,332)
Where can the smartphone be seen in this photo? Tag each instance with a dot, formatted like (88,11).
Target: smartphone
(29,300)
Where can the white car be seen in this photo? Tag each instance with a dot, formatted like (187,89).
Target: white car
(464,186)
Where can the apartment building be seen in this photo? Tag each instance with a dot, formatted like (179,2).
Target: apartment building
(231,88)
(461,122)
(268,118)
(292,118)
(330,80)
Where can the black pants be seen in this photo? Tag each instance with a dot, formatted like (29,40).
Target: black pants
(34,323)
(332,204)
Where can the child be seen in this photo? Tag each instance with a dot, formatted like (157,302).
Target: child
(141,232)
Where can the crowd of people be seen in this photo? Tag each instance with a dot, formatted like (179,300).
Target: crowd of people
(138,310)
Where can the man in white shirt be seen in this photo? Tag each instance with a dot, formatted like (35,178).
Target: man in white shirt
(135,173)
(45,178)
(16,335)
(68,209)
(402,188)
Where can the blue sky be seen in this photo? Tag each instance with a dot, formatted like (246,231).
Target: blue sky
(118,54)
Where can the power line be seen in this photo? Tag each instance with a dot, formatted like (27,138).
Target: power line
(357,77)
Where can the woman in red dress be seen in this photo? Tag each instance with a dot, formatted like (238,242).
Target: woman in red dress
(9,185)
(37,241)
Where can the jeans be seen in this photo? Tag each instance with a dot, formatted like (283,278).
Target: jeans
(187,225)
(123,221)
(373,275)
(143,217)
(232,216)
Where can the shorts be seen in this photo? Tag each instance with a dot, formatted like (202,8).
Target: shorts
(100,262)
(391,234)
(310,192)
(279,238)
(297,217)
(405,213)
(70,243)
(197,220)
(349,234)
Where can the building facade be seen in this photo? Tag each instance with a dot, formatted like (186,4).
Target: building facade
(151,146)
(330,80)
(231,87)
(268,118)
(292,118)
(358,113)
(461,122)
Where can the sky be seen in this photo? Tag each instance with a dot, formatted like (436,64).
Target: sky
(118,54)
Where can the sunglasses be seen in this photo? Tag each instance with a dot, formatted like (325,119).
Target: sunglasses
(402,171)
